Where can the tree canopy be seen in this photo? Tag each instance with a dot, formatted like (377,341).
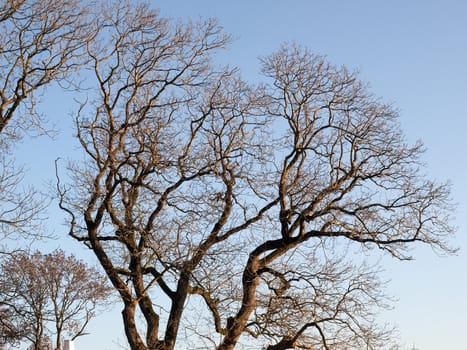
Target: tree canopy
(45,295)
(219,207)
(223,212)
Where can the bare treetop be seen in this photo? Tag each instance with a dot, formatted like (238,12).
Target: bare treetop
(222,209)
(347,169)
(44,42)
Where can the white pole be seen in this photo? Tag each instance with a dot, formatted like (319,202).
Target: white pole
(69,345)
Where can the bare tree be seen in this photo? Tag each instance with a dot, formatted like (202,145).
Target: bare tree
(52,293)
(24,296)
(10,334)
(41,43)
(233,213)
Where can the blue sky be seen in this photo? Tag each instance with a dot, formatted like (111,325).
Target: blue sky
(413,54)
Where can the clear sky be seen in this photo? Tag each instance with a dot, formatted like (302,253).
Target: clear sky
(414,54)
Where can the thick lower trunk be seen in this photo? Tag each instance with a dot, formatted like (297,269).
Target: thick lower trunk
(131,331)
(152,321)
(38,336)
(58,345)
(176,311)
(250,282)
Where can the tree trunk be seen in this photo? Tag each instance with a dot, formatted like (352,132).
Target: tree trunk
(58,343)
(152,321)
(134,339)
(250,282)
(178,303)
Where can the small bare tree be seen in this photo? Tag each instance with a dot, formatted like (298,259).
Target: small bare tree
(41,43)
(24,295)
(231,213)
(10,334)
(52,293)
